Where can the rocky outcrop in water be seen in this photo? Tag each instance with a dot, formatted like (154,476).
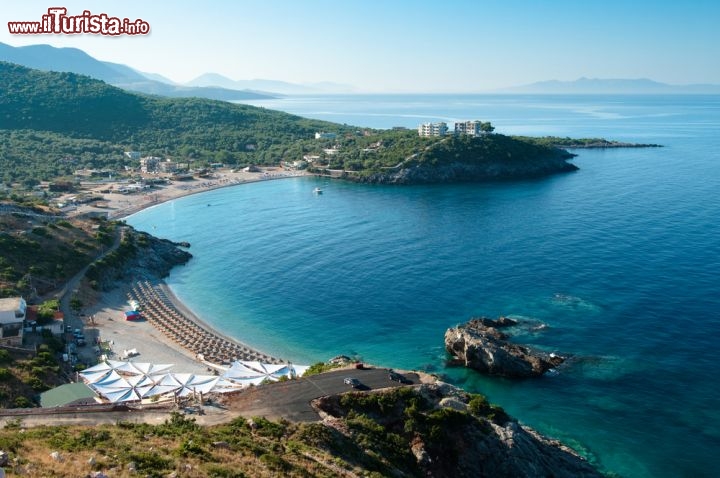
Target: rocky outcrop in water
(139,256)
(481,345)
(158,256)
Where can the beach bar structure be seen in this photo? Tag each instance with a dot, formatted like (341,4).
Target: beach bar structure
(125,381)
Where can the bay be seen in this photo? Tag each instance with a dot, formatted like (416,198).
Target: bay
(620,260)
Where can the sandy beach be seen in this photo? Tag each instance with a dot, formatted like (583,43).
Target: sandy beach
(118,205)
(104,321)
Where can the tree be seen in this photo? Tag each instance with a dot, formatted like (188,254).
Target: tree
(486,127)
(75,304)
(46,311)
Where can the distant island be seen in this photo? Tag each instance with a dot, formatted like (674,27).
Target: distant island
(596,86)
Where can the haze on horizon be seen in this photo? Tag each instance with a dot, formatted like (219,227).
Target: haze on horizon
(404,46)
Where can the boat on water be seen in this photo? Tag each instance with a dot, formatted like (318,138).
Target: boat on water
(317,191)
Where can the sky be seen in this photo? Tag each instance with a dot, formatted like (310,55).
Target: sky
(399,45)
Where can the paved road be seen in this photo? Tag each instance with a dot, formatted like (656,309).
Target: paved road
(291,400)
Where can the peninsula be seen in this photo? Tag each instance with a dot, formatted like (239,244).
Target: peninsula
(53,125)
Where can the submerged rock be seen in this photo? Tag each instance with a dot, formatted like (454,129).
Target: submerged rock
(480,345)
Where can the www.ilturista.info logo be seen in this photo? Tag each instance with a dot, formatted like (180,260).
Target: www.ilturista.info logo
(57,21)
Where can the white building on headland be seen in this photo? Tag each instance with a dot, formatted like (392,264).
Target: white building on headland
(323,135)
(432,129)
(469,128)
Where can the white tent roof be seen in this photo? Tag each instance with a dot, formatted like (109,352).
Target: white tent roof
(121,381)
(256,372)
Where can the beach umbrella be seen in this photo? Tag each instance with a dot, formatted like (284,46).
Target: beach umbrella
(96,372)
(143,368)
(112,380)
(190,383)
(102,366)
(157,385)
(115,388)
(300,369)
(254,372)
(122,395)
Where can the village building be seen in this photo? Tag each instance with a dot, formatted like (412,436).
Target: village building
(12,318)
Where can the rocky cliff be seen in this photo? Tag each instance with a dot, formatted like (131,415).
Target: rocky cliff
(481,345)
(441,431)
(139,256)
(464,159)
(458,172)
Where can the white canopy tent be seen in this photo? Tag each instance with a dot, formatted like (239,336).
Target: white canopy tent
(120,381)
(255,373)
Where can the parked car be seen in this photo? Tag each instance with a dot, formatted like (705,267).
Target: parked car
(353,382)
(397,377)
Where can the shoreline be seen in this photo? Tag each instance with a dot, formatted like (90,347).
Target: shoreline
(152,344)
(118,206)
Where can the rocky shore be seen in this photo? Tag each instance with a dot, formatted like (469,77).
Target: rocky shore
(463,172)
(452,433)
(481,345)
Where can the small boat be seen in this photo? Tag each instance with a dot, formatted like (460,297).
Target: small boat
(317,191)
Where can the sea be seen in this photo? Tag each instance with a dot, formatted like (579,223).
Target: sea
(616,264)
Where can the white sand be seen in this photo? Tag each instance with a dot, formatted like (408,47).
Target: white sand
(109,324)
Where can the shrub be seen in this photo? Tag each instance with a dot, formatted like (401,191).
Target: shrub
(22,402)
(274,462)
(219,471)
(319,367)
(150,463)
(177,425)
(191,448)
(5,356)
(37,384)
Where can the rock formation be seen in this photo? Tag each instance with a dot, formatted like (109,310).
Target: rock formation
(480,345)
(439,430)
(458,172)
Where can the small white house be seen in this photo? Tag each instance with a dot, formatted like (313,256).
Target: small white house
(12,316)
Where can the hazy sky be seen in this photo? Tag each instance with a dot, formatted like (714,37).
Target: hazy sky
(419,46)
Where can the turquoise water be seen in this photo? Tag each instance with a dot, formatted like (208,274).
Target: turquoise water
(621,260)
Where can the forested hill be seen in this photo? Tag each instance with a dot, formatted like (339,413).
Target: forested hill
(52,124)
(80,107)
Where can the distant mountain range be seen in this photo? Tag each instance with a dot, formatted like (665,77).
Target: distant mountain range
(276,86)
(610,86)
(73,60)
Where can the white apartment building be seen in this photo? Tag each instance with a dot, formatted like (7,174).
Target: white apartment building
(470,128)
(432,129)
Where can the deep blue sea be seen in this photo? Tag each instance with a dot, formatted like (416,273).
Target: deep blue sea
(621,261)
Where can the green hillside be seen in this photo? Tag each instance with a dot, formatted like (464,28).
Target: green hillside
(52,124)
(58,122)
